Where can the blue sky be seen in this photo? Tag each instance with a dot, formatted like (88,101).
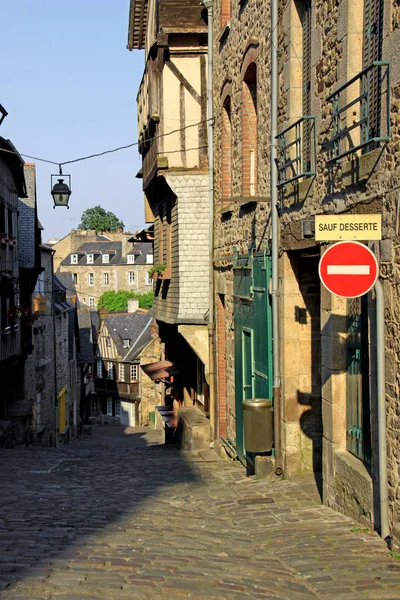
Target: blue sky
(69,85)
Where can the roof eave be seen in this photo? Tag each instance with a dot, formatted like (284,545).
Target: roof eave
(137,24)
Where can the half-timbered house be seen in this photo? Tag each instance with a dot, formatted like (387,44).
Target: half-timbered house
(125,341)
(172,130)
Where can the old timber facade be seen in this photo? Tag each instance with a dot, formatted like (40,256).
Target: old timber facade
(172,128)
(338,117)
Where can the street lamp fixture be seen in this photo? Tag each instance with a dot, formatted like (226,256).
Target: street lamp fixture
(3,113)
(60,190)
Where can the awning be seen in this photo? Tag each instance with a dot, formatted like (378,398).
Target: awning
(159,370)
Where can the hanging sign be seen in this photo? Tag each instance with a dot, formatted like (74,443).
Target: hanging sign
(348,269)
(331,228)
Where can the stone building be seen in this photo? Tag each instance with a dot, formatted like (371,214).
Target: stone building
(172,130)
(125,341)
(15,320)
(337,137)
(40,366)
(103,263)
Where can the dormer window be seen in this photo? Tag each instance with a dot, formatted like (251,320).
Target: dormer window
(149,259)
(90,259)
(74,259)
(127,343)
(130,259)
(106,258)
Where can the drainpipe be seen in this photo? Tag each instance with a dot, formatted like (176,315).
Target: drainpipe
(275,237)
(381,397)
(208,4)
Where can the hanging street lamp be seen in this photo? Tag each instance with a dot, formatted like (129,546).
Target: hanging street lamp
(60,191)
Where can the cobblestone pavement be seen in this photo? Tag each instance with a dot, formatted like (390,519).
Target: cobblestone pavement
(120,516)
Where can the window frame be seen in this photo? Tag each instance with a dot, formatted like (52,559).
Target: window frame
(74,259)
(91,279)
(131,277)
(135,370)
(91,302)
(121,371)
(130,259)
(104,257)
(90,259)
(109,407)
(99,371)
(110,370)
(106,281)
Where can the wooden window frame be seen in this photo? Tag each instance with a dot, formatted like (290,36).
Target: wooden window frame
(135,370)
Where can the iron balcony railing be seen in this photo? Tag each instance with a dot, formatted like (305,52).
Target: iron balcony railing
(363,122)
(297,151)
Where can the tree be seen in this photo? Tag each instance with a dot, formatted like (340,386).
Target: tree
(118,301)
(100,220)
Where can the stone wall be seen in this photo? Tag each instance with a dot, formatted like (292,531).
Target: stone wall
(358,183)
(238,221)
(118,279)
(149,396)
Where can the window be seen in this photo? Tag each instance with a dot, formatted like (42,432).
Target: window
(110,370)
(106,258)
(91,278)
(358,411)
(90,259)
(10,222)
(108,341)
(249,131)
(99,368)
(106,279)
(226,150)
(127,343)
(121,370)
(75,278)
(149,259)
(109,407)
(131,277)
(91,302)
(134,373)
(94,406)
(74,259)
(149,279)
(130,259)
(118,408)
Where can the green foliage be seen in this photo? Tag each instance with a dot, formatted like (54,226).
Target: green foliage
(118,301)
(156,270)
(100,220)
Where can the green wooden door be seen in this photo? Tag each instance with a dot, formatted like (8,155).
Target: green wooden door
(253,341)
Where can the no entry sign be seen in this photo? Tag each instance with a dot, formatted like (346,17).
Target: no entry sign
(348,269)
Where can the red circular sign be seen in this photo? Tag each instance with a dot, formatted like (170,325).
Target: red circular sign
(348,269)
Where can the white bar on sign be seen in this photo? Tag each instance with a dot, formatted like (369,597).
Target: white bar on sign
(348,269)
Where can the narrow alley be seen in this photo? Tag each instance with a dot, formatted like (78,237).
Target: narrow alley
(119,515)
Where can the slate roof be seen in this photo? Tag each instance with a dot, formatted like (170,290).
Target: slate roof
(98,248)
(86,337)
(133,326)
(60,287)
(68,282)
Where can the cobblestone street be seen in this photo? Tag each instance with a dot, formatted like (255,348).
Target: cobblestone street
(120,516)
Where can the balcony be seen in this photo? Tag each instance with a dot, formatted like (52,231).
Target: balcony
(117,388)
(361,112)
(297,151)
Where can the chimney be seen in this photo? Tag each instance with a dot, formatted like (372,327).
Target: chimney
(133,305)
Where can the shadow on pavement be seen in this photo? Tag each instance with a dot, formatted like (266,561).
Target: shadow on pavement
(53,500)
